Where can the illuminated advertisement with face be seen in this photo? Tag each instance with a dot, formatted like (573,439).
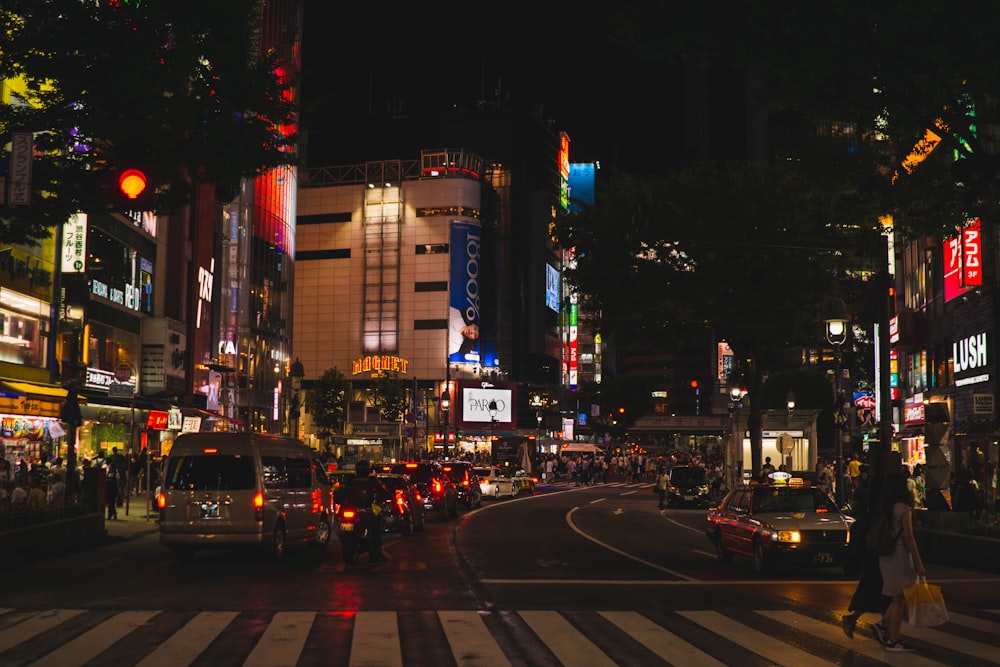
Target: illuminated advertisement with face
(463,297)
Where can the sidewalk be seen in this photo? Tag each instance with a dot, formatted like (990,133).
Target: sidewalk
(135,523)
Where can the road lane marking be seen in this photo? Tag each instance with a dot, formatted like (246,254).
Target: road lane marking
(569,645)
(755,641)
(471,643)
(673,573)
(95,641)
(283,640)
(667,645)
(182,647)
(36,625)
(376,640)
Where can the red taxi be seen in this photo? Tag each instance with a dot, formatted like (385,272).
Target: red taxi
(784,521)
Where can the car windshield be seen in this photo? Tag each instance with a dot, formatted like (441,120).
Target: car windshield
(687,476)
(483,472)
(210,473)
(791,500)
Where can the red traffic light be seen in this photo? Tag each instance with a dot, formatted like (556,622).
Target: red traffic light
(621,411)
(694,384)
(132,183)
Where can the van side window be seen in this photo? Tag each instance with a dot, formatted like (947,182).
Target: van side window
(320,471)
(299,472)
(275,475)
(210,473)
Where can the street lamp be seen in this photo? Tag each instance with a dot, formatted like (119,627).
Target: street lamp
(736,394)
(836,334)
(538,434)
(445,404)
(492,407)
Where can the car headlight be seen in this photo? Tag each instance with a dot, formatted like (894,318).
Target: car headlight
(788,536)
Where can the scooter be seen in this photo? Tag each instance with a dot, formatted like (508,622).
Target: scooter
(354,519)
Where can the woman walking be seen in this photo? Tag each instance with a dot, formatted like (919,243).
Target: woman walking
(901,568)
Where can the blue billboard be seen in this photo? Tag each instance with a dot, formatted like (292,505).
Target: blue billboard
(463,293)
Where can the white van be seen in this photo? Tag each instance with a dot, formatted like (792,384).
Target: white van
(243,489)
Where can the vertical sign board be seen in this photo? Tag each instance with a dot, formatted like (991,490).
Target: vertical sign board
(21,149)
(463,297)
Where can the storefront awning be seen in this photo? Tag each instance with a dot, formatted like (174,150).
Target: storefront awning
(12,388)
(982,426)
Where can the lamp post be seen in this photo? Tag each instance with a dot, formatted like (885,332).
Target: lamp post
(492,407)
(737,394)
(445,404)
(836,334)
(538,433)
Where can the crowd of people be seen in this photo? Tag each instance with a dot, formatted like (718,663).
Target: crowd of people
(37,486)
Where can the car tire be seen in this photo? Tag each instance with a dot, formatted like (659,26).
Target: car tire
(723,554)
(323,533)
(761,561)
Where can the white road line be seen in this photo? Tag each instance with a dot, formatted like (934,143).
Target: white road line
(758,642)
(376,640)
(862,643)
(282,641)
(568,644)
(663,643)
(182,647)
(34,626)
(569,521)
(95,641)
(471,643)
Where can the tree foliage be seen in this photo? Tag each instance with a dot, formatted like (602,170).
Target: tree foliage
(390,396)
(177,88)
(328,401)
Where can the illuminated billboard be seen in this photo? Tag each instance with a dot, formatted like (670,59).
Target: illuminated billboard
(463,293)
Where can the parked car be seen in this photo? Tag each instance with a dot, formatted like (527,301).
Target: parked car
(404,511)
(466,483)
(437,490)
(792,522)
(494,484)
(688,487)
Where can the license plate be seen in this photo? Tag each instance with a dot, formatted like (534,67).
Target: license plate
(210,510)
(347,527)
(824,558)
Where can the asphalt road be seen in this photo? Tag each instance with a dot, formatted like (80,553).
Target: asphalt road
(531,580)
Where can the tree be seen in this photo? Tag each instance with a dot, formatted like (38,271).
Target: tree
(390,396)
(175,88)
(328,401)
(750,253)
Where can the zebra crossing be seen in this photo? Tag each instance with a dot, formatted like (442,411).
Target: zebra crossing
(469,638)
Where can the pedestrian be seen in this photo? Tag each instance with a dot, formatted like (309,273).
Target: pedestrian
(766,470)
(57,492)
(120,464)
(662,482)
(868,596)
(111,492)
(904,565)
(36,496)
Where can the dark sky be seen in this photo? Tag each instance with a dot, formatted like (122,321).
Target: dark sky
(414,59)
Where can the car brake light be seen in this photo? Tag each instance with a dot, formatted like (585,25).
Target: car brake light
(258,506)
(437,486)
(348,515)
(161,500)
(412,466)
(317,501)
(822,510)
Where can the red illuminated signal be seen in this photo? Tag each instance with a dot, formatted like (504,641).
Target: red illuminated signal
(132,183)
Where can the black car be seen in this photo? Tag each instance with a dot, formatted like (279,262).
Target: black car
(463,474)
(436,488)
(688,487)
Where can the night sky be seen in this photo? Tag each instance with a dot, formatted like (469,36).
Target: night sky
(414,60)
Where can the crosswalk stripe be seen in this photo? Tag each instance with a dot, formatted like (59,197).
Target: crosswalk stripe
(966,646)
(282,641)
(471,642)
(864,644)
(663,643)
(989,627)
(568,644)
(752,640)
(187,643)
(25,630)
(96,640)
(376,640)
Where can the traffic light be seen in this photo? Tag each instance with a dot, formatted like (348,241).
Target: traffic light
(132,183)
(132,188)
